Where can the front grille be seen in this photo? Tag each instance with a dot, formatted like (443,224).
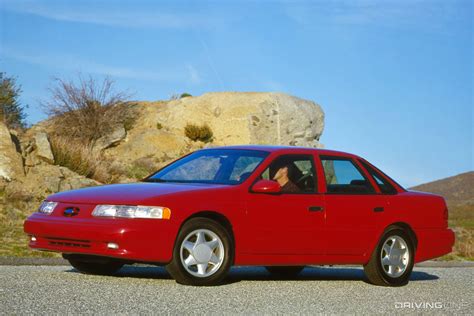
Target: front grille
(69,242)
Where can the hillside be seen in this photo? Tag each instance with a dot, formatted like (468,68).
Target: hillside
(458,189)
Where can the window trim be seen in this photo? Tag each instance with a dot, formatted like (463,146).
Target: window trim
(368,167)
(356,165)
(310,157)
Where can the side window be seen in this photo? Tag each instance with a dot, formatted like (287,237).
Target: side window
(294,173)
(384,185)
(343,177)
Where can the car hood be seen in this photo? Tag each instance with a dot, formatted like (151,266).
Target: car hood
(133,193)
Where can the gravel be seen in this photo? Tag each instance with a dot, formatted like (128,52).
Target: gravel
(149,290)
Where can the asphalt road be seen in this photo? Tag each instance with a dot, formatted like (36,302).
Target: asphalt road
(146,289)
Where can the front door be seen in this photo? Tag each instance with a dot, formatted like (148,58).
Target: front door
(292,221)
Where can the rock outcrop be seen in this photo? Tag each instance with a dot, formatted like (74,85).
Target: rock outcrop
(11,164)
(43,147)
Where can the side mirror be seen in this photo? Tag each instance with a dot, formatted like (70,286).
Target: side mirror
(266,186)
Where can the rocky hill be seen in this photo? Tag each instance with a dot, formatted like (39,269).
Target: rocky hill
(35,163)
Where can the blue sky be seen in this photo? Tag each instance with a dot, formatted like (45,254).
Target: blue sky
(395,78)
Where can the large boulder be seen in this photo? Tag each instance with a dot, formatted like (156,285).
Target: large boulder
(234,117)
(11,163)
(250,118)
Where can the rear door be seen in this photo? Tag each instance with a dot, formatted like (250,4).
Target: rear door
(352,206)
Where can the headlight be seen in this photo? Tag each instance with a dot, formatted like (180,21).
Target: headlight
(129,211)
(47,207)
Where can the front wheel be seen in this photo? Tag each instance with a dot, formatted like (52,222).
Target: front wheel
(392,261)
(203,253)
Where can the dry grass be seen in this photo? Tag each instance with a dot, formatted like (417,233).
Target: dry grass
(13,212)
(461,220)
(81,159)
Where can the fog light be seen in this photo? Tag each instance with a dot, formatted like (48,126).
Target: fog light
(33,238)
(112,245)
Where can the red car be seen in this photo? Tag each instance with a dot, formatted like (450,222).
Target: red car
(280,207)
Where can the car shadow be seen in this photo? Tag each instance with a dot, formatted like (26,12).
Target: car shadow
(238,274)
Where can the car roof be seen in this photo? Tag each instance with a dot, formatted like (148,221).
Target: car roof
(284,149)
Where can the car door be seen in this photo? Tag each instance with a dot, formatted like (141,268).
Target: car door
(352,207)
(288,222)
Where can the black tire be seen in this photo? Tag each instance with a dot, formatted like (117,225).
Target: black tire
(176,269)
(107,267)
(285,271)
(374,270)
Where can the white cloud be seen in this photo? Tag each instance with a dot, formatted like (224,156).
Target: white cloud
(110,16)
(428,14)
(74,63)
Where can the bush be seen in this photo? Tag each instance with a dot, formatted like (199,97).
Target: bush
(202,133)
(159,125)
(12,113)
(185,95)
(87,109)
(142,168)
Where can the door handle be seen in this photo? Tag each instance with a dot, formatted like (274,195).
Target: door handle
(378,209)
(315,208)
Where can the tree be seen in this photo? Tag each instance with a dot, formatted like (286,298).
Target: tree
(87,109)
(12,113)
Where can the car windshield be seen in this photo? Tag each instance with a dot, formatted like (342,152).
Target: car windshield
(215,166)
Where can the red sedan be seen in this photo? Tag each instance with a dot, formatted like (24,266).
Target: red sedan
(280,207)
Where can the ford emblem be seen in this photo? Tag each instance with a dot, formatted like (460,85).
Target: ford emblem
(71,211)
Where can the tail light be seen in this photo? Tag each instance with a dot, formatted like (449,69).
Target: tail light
(446,214)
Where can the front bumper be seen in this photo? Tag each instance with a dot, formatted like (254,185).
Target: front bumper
(433,243)
(141,240)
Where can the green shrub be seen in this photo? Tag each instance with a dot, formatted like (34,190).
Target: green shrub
(202,133)
(159,125)
(185,95)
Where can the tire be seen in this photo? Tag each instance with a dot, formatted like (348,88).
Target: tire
(285,271)
(399,265)
(202,254)
(104,267)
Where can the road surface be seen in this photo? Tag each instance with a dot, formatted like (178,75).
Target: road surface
(147,289)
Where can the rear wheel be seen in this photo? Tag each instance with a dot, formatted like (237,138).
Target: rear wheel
(97,266)
(203,253)
(392,261)
(285,271)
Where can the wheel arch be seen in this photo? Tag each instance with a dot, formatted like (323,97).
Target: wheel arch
(406,227)
(215,216)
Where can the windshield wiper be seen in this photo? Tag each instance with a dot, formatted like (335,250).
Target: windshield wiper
(158,180)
